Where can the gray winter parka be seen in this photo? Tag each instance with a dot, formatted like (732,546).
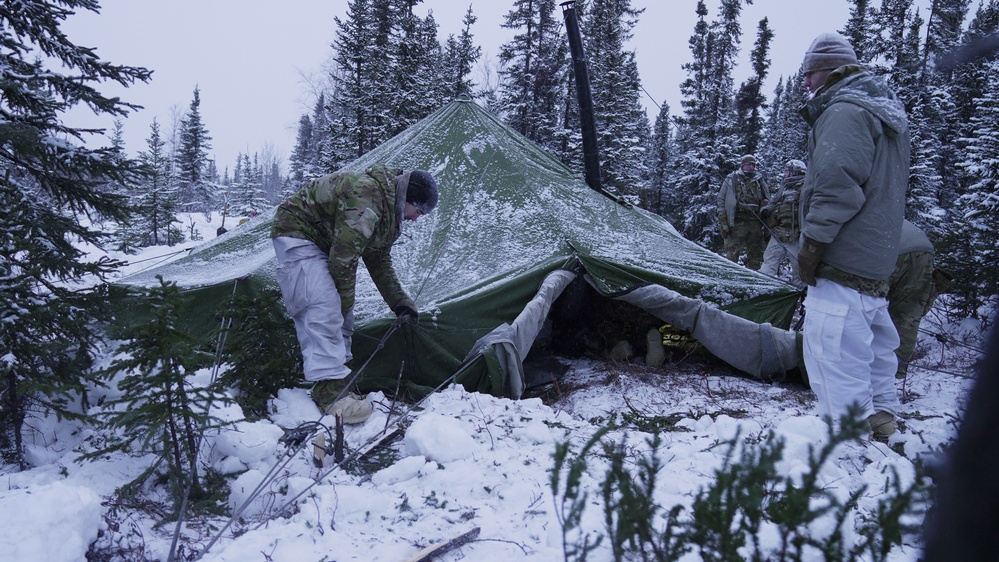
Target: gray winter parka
(858,172)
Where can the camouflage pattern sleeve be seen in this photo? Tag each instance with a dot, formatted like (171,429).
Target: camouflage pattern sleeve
(379,264)
(357,222)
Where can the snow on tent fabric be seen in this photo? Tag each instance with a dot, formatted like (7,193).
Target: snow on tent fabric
(513,228)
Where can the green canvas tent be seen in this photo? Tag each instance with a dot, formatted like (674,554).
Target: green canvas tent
(514,229)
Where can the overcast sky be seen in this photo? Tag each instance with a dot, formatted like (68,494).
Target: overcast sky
(254,60)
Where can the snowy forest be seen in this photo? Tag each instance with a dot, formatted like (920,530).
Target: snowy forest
(59,189)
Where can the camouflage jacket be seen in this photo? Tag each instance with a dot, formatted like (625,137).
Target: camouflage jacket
(783,210)
(741,195)
(351,216)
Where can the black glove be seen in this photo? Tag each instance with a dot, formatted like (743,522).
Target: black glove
(808,259)
(765,213)
(407,314)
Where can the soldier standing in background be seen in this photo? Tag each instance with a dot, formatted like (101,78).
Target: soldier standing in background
(912,290)
(741,197)
(781,216)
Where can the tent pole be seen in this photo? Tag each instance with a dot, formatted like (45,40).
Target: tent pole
(591,160)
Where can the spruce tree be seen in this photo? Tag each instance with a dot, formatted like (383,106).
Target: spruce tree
(534,65)
(943,33)
(461,54)
(707,143)
(311,143)
(962,193)
(353,106)
(859,28)
(420,84)
(247,195)
(50,183)
(623,130)
(155,195)
(661,193)
(299,162)
(979,206)
(750,101)
(194,188)
(785,133)
(896,40)
(160,412)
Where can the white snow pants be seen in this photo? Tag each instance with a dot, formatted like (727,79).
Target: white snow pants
(776,253)
(849,350)
(314,304)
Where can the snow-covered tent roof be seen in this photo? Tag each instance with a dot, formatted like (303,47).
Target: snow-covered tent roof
(513,228)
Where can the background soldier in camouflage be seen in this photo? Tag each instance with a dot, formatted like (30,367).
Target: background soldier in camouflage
(319,235)
(781,215)
(913,288)
(740,198)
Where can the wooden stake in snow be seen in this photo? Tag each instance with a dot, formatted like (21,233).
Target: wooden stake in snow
(428,553)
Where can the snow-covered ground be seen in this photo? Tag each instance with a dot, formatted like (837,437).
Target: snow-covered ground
(464,461)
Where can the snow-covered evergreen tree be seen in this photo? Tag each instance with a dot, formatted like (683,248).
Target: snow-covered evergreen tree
(299,162)
(420,81)
(351,118)
(310,143)
(50,188)
(156,199)
(707,142)
(660,194)
(534,65)
(193,187)
(247,197)
(785,133)
(859,28)
(622,125)
(965,181)
(460,56)
(159,412)
(750,101)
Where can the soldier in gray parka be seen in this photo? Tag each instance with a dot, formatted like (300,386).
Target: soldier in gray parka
(852,205)
(320,234)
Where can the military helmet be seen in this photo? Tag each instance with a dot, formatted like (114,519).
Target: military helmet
(796,167)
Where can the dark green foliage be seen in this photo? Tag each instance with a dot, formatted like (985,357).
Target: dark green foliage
(629,508)
(534,72)
(191,159)
(159,411)
(623,130)
(461,54)
(51,190)
(725,519)
(570,502)
(707,146)
(390,74)
(155,198)
(262,351)
(750,101)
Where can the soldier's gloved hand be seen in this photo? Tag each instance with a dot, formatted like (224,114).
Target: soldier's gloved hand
(407,314)
(808,259)
(765,212)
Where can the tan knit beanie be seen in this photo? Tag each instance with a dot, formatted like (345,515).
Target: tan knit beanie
(829,51)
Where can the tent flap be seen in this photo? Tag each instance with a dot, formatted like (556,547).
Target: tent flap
(760,350)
